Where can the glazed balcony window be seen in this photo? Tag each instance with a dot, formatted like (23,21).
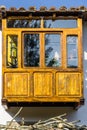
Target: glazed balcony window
(43,42)
(42,57)
(12,51)
(60,23)
(31,50)
(23,23)
(53,50)
(72,51)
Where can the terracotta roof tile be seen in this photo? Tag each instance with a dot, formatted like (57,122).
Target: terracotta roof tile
(12,9)
(2,8)
(63,10)
(21,9)
(82,8)
(72,9)
(43,8)
(52,8)
(32,8)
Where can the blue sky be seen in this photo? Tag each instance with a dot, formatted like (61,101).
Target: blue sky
(47,3)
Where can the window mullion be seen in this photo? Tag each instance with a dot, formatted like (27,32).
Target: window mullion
(64,51)
(42,50)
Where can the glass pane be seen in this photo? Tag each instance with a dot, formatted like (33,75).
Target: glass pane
(72,23)
(12,51)
(31,50)
(72,51)
(23,23)
(53,50)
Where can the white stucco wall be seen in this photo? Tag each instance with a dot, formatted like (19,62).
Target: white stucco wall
(42,113)
(4,116)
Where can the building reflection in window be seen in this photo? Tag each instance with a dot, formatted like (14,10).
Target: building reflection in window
(52,50)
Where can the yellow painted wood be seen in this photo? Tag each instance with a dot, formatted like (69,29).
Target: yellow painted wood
(16,84)
(68,84)
(42,84)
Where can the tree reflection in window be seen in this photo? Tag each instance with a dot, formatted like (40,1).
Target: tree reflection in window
(23,23)
(31,50)
(72,51)
(12,50)
(52,50)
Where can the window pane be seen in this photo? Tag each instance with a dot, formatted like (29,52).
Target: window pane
(31,50)
(12,43)
(72,23)
(72,51)
(23,23)
(52,50)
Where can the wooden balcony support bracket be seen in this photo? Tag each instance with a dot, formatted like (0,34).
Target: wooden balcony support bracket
(5,103)
(77,105)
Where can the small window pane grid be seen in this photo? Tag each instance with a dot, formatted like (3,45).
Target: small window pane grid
(26,23)
(52,44)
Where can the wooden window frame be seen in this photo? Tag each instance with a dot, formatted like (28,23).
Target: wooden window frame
(64,31)
(42,48)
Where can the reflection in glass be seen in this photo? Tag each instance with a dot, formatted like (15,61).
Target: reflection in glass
(52,50)
(12,60)
(72,51)
(31,50)
(23,23)
(70,23)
